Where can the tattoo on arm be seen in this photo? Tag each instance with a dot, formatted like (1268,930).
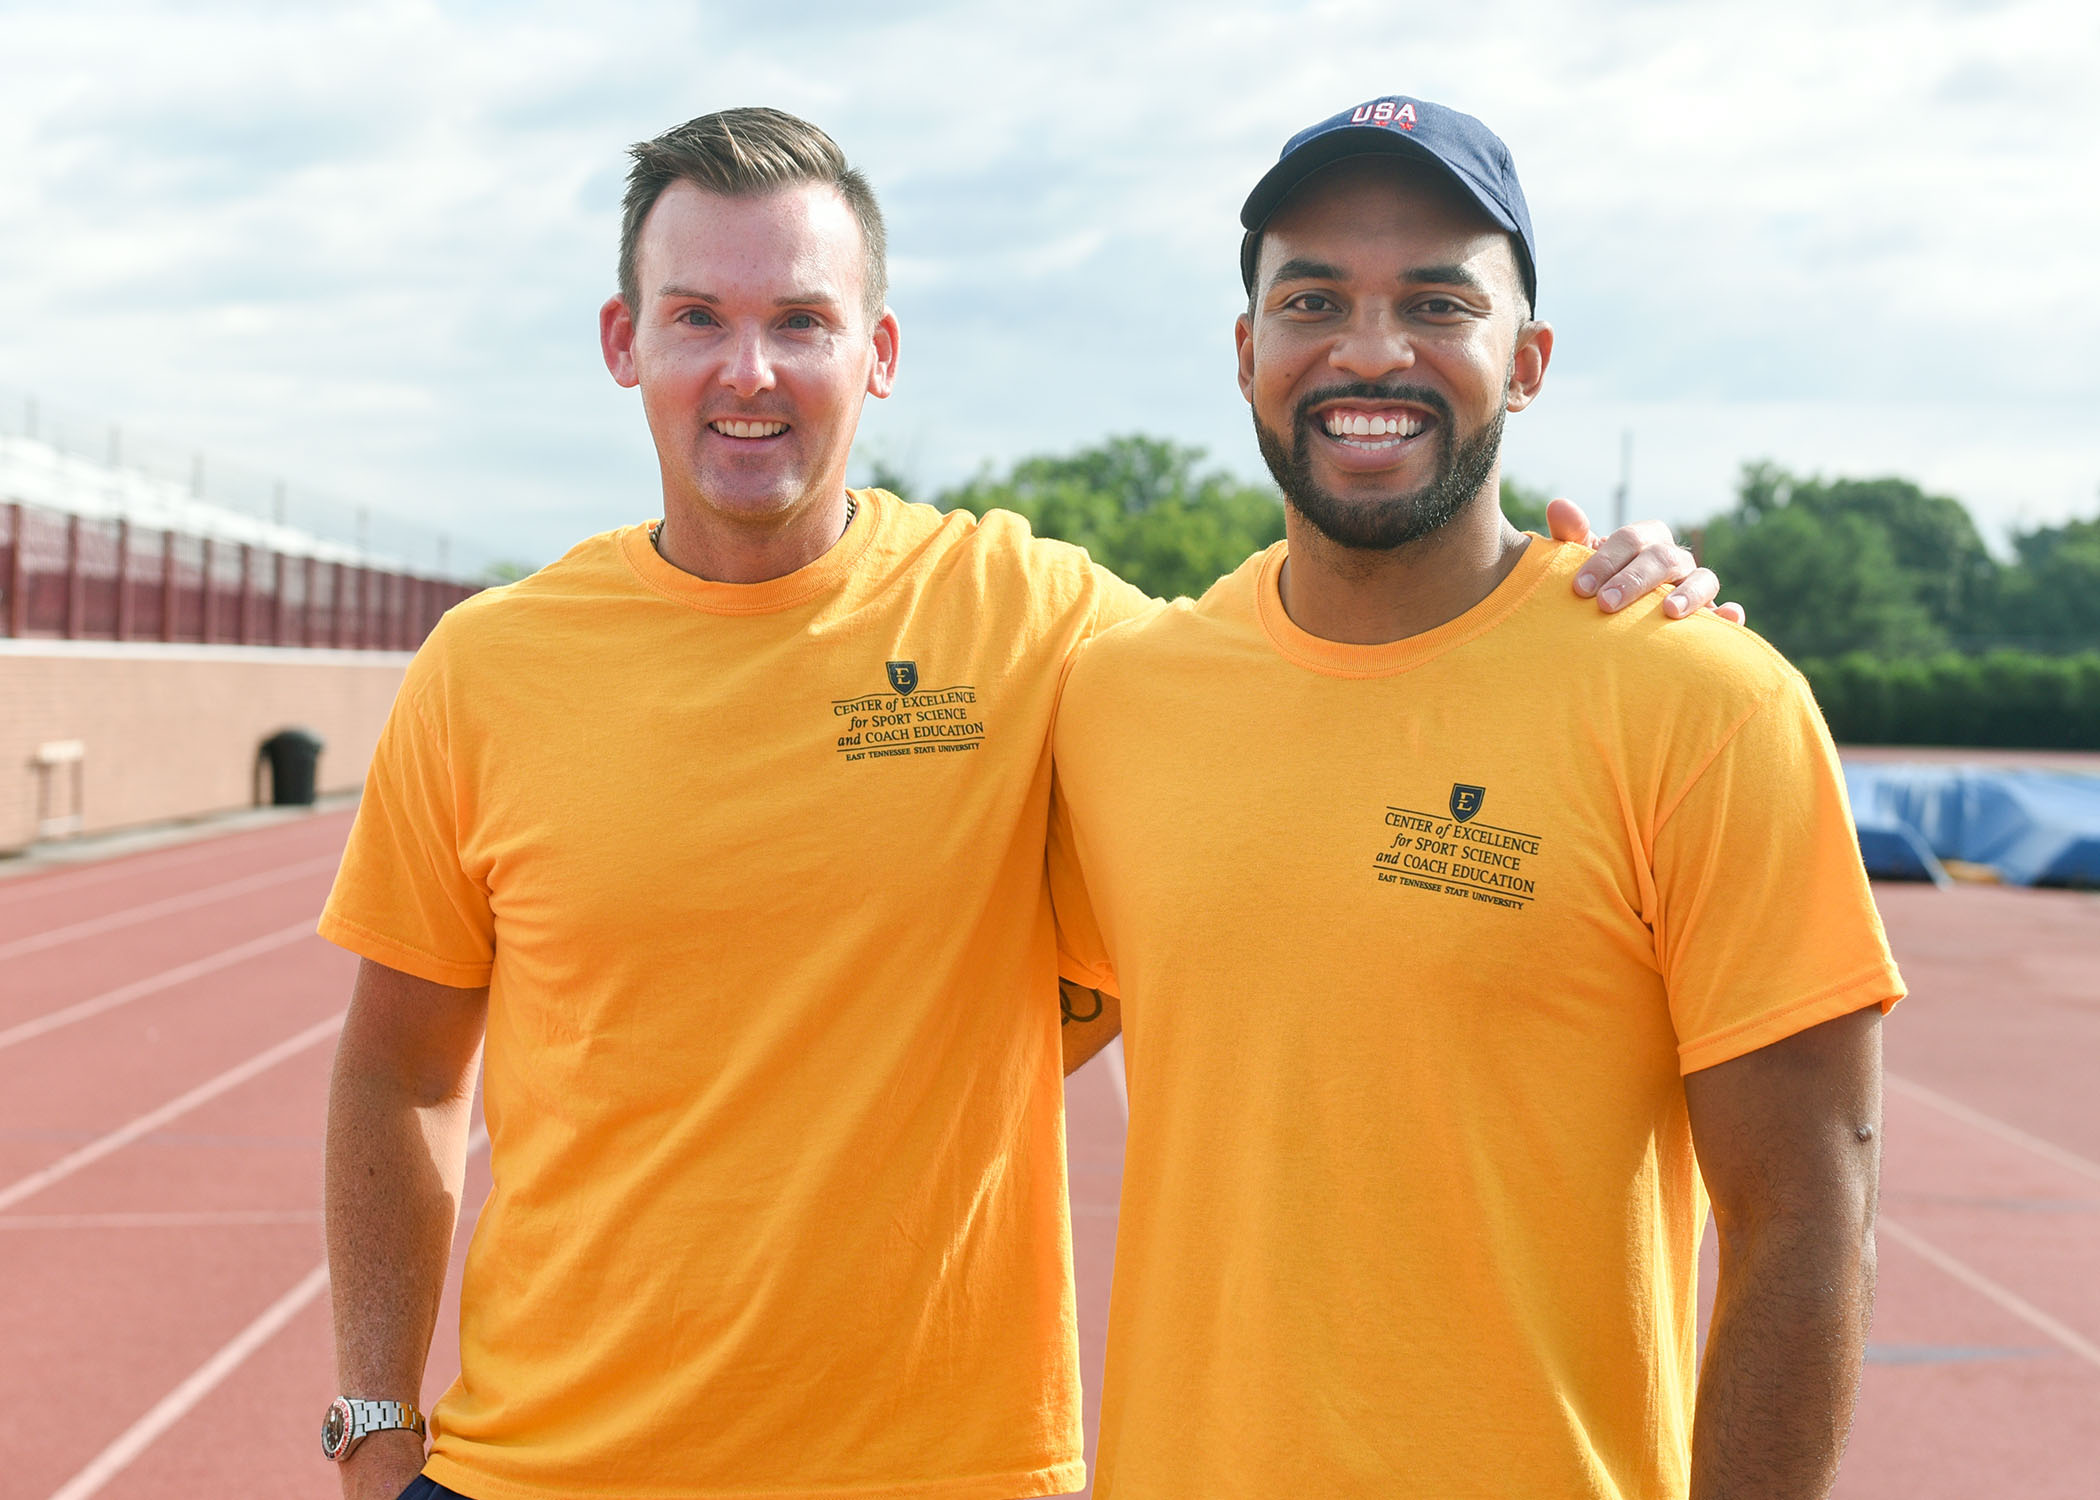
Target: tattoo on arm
(1088,1007)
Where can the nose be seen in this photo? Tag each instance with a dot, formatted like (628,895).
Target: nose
(748,369)
(1372,346)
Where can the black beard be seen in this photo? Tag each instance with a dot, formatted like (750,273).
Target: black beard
(1391,521)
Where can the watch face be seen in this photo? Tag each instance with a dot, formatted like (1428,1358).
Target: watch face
(335,1428)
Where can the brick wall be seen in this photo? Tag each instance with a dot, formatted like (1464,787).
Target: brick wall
(171,731)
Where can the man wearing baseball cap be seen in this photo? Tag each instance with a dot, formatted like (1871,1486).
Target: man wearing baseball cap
(1448,964)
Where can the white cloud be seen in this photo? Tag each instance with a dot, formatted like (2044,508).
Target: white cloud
(363,245)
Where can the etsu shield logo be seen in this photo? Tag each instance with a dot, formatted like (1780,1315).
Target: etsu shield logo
(904,675)
(1466,800)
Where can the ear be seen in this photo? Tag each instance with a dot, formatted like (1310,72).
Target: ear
(882,375)
(616,340)
(1243,342)
(1527,370)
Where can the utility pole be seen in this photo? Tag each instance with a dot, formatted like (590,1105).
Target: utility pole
(1625,490)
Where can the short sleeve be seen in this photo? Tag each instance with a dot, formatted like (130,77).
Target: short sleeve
(402,897)
(1082,956)
(1117,601)
(1765,923)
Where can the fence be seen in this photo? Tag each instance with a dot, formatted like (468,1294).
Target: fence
(77,577)
(49,452)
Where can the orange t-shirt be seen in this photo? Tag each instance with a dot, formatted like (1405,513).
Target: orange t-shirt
(1414,943)
(755,877)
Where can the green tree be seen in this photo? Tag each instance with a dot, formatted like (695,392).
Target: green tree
(1525,506)
(1818,584)
(1867,583)
(2051,599)
(1142,506)
(884,475)
(1931,540)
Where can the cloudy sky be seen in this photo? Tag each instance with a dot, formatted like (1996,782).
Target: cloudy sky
(364,245)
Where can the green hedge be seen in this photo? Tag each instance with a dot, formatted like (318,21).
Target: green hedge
(2010,699)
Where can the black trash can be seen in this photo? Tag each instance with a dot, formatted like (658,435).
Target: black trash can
(295,759)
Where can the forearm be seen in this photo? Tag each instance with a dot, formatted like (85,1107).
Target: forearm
(1783,1356)
(1789,1141)
(395,1170)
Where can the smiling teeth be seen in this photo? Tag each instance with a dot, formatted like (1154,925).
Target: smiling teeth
(1355,424)
(749,429)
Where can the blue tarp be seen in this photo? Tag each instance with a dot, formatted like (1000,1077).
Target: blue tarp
(1890,846)
(2032,827)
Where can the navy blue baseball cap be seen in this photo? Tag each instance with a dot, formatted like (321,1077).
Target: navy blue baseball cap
(1469,153)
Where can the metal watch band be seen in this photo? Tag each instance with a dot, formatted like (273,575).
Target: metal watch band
(351,1420)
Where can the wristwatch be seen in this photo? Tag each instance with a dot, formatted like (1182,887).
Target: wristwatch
(350,1421)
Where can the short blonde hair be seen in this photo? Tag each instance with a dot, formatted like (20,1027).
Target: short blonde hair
(745,152)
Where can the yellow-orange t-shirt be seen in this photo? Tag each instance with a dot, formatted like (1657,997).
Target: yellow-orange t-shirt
(755,877)
(1414,942)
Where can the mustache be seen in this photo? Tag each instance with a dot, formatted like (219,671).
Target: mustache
(1372,391)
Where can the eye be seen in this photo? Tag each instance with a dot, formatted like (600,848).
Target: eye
(697,317)
(1313,302)
(801,322)
(1440,307)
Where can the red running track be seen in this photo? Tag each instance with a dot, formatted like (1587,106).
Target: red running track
(166,1022)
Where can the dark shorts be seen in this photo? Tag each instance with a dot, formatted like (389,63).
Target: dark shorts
(426,1488)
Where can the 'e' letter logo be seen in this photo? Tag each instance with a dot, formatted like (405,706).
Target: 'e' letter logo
(1466,800)
(904,675)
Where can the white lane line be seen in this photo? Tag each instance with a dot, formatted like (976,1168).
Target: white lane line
(1981,1284)
(178,1403)
(1114,1053)
(174,1406)
(174,1109)
(153,984)
(205,1219)
(131,916)
(1990,1125)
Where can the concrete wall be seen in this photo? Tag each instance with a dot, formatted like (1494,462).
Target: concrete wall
(171,731)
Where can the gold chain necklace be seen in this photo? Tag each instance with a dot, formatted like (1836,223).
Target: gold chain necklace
(656,532)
